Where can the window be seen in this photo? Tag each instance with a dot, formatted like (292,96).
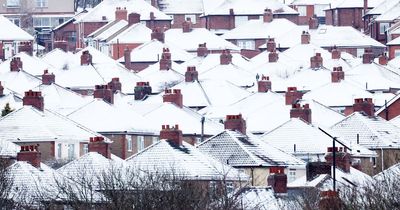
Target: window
(41,22)
(16,21)
(246,44)
(13,3)
(335,17)
(155,139)
(71,151)
(140,143)
(85,148)
(302,10)
(129,143)
(59,150)
(383,27)
(319,9)
(292,175)
(240,20)
(360,52)
(41,3)
(229,187)
(396,53)
(192,18)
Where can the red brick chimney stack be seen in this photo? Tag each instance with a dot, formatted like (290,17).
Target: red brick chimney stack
(191,74)
(202,50)
(383,60)
(173,96)
(364,105)
(142,89)
(236,123)
(127,58)
(292,95)
(277,179)
(316,61)
(313,22)
(133,18)
(268,16)
(337,74)
(86,58)
(336,54)
(187,26)
(97,144)
(271,45)
(302,112)
(264,85)
(1,89)
(121,13)
(172,134)
(165,61)
(33,98)
(231,19)
(342,158)
(305,38)
(15,64)
(30,154)
(225,57)
(273,57)
(47,78)
(368,56)
(158,33)
(115,85)
(152,17)
(104,92)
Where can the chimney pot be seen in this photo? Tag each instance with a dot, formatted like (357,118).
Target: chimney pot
(342,158)
(364,105)
(33,98)
(171,134)
(305,38)
(264,85)
(30,154)
(15,64)
(268,16)
(174,97)
(158,33)
(303,113)
(225,57)
(97,144)
(191,74)
(235,122)
(48,79)
(292,95)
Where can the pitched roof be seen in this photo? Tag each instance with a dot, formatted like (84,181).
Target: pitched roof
(395,41)
(136,33)
(18,81)
(182,160)
(28,124)
(355,4)
(211,60)
(58,58)
(107,8)
(11,32)
(390,15)
(8,149)
(161,79)
(190,41)
(108,30)
(181,7)
(232,73)
(383,7)
(239,150)
(31,64)
(252,7)
(373,132)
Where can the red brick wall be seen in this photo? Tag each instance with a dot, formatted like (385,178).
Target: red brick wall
(158,23)
(65,32)
(180,18)
(350,17)
(292,18)
(118,49)
(1,51)
(46,148)
(219,22)
(392,49)
(329,17)
(392,111)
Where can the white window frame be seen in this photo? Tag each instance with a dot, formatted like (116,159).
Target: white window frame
(302,10)
(247,44)
(41,3)
(192,18)
(85,148)
(140,143)
(71,151)
(13,3)
(383,27)
(59,150)
(291,175)
(129,145)
(397,53)
(155,139)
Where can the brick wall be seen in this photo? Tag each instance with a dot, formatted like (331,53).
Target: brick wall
(46,148)
(65,33)
(180,18)
(292,18)
(390,157)
(118,49)
(219,22)
(392,50)
(392,111)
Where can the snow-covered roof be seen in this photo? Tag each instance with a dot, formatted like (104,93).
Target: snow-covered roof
(182,160)
(58,58)
(258,29)
(262,198)
(395,64)
(305,140)
(107,9)
(18,81)
(14,100)
(181,6)
(239,150)
(354,4)
(120,118)
(389,174)
(151,52)
(161,79)
(231,73)
(383,7)
(190,41)
(390,15)
(136,33)
(251,7)
(28,124)
(11,32)
(31,64)
(394,42)
(373,132)
(211,60)
(210,92)
(189,120)
(108,30)
(8,149)
(373,77)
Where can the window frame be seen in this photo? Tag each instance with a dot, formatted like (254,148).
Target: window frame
(41,3)
(140,143)
(129,143)
(13,3)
